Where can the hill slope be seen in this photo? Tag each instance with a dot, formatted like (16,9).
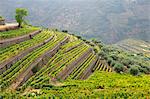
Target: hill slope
(99,85)
(106,20)
(135,46)
(61,64)
(48,55)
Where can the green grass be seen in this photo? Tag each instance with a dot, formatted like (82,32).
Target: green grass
(18,32)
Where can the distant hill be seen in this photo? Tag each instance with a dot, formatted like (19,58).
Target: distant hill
(106,20)
(134,45)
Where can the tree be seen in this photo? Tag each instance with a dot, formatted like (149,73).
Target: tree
(65,31)
(1,17)
(20,14)
(118,67)
(134,70)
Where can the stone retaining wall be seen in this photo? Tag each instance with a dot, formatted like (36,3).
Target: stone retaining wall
(8,42)
(67,71)
(42,60)
(87,72)
(8,63)
(71,48)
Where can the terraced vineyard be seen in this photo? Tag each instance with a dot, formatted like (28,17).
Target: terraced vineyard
(52,62)
(47,56)
(136,46)
(18,32)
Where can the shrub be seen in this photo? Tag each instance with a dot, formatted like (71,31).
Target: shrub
(92,44)
(105,57)
(95,50)
(143,70)
(79,37)
(105,49)
(1,18)
(56,30)
(118,67)
(100,45)
(134,70)
(84,40)
(109,61)
(114,57)
(113,63)
(126,62)
(65,31)
(102,54)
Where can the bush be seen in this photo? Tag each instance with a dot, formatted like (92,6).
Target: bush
(109,61)
(95,50)
(105,49)
(79,37)
(143,70)
(1,18)
(65,31)
(127,62)
(113,63)
(114,57)
(134,70)
(102,53)
(118,67)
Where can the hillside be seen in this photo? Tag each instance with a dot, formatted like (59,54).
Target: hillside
(100,85)
(135,46)
(54,54)
(106,20)
(37,61)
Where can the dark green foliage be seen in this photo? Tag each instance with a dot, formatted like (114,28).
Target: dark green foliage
(127,59)
(84,40)
(118,67)
(134,70)
(79,37)
(95,50)
(1,18)
(114,57)
(113,63)
(20,14)
(91,44)
(109,61)
(35,69)
(102,54)
(88,42)
(127,62)
(65,31)
(95,41)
